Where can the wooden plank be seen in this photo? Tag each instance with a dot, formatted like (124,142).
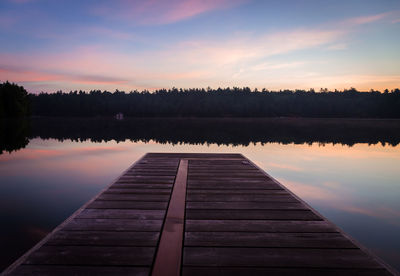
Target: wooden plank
(115,225)
(277,257)
(144,181)
(231,186)
(59,270)
(244,205)
(266,226)
(139,191)
(132,214)
(92,255)
(281,271)
(265,239)
(239,197)
(152,173)
(227,192)
(169,253)
(104,238)
(228,177)
(148,177)
(100,204)
(230,180)
(193,155)
(251,214)
(134,197)
(140,186)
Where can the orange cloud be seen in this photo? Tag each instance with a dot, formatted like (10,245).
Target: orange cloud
(284,166)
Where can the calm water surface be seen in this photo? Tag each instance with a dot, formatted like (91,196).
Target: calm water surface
(355,186)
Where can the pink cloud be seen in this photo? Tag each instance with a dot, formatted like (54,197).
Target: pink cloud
(40,154)
(22,75)
(367,19)
(154,12)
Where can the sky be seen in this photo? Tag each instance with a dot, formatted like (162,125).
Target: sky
(48,45)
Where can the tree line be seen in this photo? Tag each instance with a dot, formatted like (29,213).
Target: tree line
(14,101)
(221,102)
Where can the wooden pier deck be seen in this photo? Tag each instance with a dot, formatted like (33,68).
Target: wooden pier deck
(197,214)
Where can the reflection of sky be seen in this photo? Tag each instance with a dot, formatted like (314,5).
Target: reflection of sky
(355,187)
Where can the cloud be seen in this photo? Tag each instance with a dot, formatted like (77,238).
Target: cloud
(21,75)
(256,59)
(337,47)
(7,21)
(277,66)
(253,47)
(367,19)
(155,12)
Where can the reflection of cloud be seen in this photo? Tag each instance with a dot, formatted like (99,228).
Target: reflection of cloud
(284,166)
(35,232)
(40,154)
(335,196)
(381,212)
(358,151)
(310,192)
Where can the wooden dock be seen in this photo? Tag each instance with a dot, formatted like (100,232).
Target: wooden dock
(197,214)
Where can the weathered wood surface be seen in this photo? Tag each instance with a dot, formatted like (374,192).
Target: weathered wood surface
(221,215)
(239,221)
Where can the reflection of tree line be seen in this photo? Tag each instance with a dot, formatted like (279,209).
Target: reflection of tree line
(204,131)
(14,134)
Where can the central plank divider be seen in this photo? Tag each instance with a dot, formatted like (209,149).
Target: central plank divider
(169,253)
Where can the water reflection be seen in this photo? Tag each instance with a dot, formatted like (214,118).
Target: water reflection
(15,135)
(352,180)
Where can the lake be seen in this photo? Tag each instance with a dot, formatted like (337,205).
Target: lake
(346,169)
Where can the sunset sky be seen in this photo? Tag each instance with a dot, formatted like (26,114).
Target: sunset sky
(48,45)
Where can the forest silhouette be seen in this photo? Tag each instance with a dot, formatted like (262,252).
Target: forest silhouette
(226,102)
